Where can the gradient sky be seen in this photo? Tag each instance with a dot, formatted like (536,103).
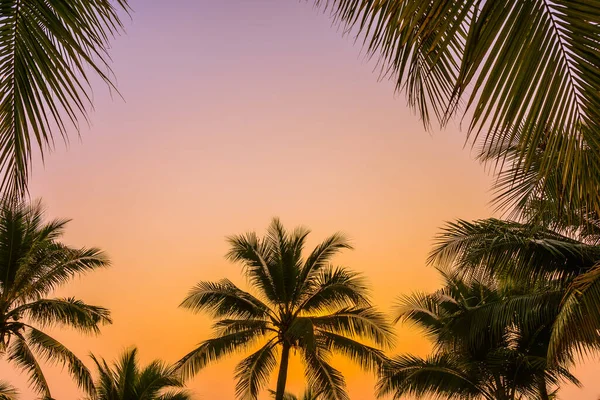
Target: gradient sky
(236,111)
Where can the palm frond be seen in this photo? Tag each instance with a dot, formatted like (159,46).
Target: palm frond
(253,372)
(323,378)
(335,288)
(68,312)
(577,324)
(213,349)
(367,357)
(49,51)
(224,299)
(523,70)
(21,355)
(53,351)
(365,323)
(513,249)
(440,376)
(8,392)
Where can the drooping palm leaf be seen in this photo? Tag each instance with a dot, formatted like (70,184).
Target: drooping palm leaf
(518,70)
(48,50)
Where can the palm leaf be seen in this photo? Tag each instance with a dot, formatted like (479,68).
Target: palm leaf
(48,51)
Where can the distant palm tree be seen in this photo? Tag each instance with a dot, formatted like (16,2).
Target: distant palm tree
(304,304)
(126,380)
(49,51)
(33,263)
(8,392)
(504,367)
(523,72)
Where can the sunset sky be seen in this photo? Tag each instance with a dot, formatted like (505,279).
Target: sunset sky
(233,112)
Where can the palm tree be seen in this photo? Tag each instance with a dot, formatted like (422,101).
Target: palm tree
(48,52)
(33,263)
(569,262)
(504,367)
(307,395)
(524,71)
(126,380)
(303,304)
(8,392)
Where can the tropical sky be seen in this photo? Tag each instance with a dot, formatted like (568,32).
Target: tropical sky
(232,112)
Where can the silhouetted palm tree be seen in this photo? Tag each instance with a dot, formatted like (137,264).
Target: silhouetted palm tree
(33,263)
(494,367)
(303,304)
(126,380)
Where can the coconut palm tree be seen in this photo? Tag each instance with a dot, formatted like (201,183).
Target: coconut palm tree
(49,51)
(126,380)
(517,70)
(568,262)
(307,395)
(503,367)
(304,305)
(8,392)
(33,263)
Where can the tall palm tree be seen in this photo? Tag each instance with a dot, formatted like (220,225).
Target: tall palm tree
(126,380)
(568,261)
(33,263)
(302,304)
(8,392)
(504,367)
(522,70)
(48,52)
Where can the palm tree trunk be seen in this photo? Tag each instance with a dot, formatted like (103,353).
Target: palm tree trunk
(543,391)
(283,367)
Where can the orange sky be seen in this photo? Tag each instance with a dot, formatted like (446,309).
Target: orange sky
(236,111)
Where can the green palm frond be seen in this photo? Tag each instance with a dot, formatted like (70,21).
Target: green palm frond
(49,51)
(8,392)
(577,324)
(53,351)
(523,72)
(324,378)
(67,312)
(254,371)
(440,376)
(213,349)
(518,250)
(21,355)
(224,299)
(335,288)
(365,323)
(368,358)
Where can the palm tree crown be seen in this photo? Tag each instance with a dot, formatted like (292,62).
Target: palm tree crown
(495,367)
(303,304)
(32,264)
(126,380)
